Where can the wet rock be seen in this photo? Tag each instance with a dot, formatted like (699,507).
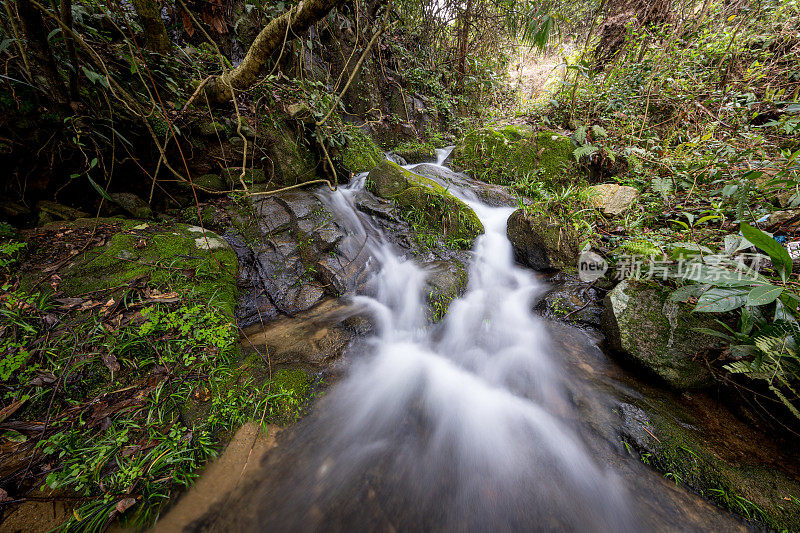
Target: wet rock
(730,466)
(394,158)
(572,300)
(51,211)
(313,338)
(132,204)
(425,201)
(272,216)
(291,255)
(372,205)
(491,194)
(446,281)
(543,243)
(612,199)
(641,322)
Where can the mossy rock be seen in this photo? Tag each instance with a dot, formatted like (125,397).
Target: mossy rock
(251,176)
(210,182)
(424,202)
(175,257)
(501,155)
(669,440)
(446,281)
(641,322)
(292,161)
(212,129)
(543,243)
(361,153)
(416,152)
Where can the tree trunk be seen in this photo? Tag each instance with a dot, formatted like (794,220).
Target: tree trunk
(35,34)
(296,20)
(155,33)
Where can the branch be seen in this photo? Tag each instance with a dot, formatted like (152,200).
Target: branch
(297,19)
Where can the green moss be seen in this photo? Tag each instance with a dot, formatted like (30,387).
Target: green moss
(424,203)
(755,492)
(416,151)
(171,257)
(292,161)
(361,153)
(292,380)
(506,154)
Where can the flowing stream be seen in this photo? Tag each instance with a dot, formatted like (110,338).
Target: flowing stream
(468,424)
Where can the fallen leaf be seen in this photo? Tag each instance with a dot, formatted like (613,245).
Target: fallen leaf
(4,496)
(202,394)
(44,378)
(110,361)
(124,505)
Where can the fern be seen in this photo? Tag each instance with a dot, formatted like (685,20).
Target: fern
(584,151)
(741,197)
(599,132)
(662,186)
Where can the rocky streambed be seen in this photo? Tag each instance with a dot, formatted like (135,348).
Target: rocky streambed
(688,461)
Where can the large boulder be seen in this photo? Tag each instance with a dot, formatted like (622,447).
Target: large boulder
(424,202)
(641,321)
(502,155)
(612,199)
(543,243)
(714,453)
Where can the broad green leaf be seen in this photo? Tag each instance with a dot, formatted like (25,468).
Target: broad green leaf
(764,294)
(100,190)
(777,253)
(722,299)
(682,294)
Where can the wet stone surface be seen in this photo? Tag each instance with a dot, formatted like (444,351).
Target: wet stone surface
(290,259)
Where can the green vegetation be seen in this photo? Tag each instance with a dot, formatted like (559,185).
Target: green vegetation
(433,212)
(502,155)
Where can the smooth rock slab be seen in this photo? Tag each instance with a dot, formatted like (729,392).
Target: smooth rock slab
(612,199)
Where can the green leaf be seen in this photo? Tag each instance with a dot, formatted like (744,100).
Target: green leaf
(722,299)
(763,294)
(777,253)
(99,189)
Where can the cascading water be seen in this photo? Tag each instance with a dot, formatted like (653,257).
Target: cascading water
(462,425)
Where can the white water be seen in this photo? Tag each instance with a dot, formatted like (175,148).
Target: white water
(472,416)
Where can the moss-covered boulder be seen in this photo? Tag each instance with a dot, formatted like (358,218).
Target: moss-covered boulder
(291,161)
(501,155)
(446,281)
(233,176)
(361,153)
(416,152)
(732,467)
(543,243)
(659,334)
(425,203)
(161,254)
